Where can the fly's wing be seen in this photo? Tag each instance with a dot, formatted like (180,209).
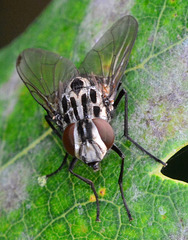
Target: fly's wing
(110,55)
(43,73)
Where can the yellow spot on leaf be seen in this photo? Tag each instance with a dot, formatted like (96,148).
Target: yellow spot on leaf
(84,229)
(102,191)
(92,198)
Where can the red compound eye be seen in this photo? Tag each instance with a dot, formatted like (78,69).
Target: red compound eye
(105,130)
(68,138)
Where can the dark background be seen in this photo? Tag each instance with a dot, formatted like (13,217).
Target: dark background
(16,15)
(177,167)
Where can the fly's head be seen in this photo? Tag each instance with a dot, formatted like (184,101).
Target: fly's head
(89,140)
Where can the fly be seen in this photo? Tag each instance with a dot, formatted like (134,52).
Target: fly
(80,102)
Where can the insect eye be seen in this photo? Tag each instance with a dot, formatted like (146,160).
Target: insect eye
(105,130)
(68,138)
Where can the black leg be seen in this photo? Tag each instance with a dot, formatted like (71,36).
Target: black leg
(120,181)
(119,97)
(49,121)
(62,164)
(72,164)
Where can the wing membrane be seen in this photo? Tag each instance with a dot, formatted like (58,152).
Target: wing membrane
(110,55)
(44,73)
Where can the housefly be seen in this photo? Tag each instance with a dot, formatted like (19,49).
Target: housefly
(80,102)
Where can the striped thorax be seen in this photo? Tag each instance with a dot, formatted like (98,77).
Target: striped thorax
(85,115)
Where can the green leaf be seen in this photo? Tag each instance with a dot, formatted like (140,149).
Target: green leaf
(156,82)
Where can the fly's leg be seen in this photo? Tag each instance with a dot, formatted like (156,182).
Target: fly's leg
(120,181)
(60,167)
(119,97)
(49,121)
(72,165)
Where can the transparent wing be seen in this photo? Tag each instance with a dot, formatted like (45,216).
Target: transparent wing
(45,74)
(110,55)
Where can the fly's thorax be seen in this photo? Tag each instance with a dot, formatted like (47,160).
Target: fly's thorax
(89,140)
(83,99)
